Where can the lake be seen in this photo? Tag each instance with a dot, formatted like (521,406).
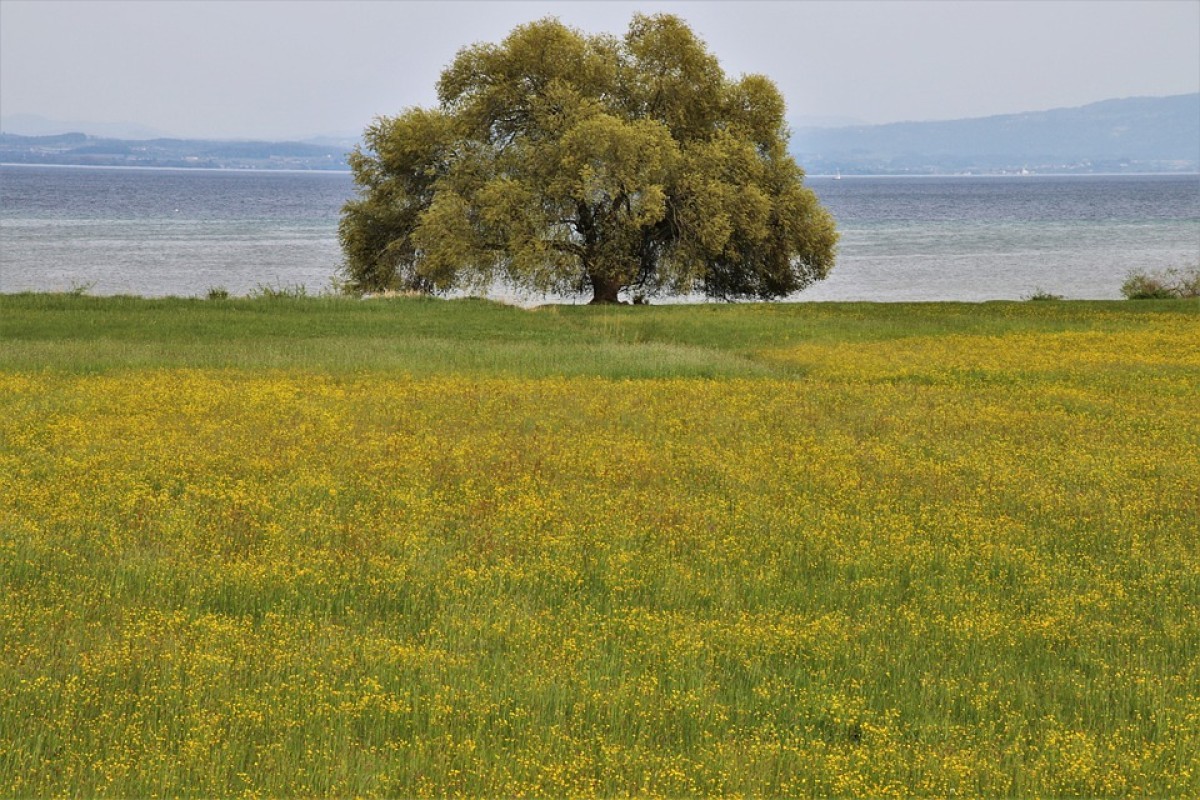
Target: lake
(182,232)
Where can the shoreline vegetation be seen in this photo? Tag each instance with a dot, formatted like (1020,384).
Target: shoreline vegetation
(299,546)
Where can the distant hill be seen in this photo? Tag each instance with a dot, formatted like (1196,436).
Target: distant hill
(1139,134)
(35,125)
(83,150)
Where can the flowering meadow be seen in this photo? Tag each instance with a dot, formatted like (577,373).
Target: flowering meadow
(449,548)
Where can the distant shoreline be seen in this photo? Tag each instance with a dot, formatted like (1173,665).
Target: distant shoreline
(823,176)
(148,168)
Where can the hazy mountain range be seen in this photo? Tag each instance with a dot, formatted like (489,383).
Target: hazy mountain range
(1141,134)
(80,149)
(35,125)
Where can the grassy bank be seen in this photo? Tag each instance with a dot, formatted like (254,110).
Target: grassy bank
(322,546)
(87,335)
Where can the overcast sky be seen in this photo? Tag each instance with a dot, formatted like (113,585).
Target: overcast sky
(286,69)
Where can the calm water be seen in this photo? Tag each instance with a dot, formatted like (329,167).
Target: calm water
(989,238)
(182,232)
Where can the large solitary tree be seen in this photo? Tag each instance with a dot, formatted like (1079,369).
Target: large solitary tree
(559,161)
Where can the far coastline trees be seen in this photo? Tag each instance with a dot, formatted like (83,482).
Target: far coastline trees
(564,162)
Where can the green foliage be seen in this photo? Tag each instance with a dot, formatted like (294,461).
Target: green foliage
(1041,295)
(559,161)
(1166,284)
(218,293)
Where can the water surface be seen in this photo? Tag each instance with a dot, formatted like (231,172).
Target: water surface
(183,232)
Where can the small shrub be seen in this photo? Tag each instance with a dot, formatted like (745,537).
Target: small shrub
(1140,286)
(265,291)
(1040,294)
(218,293)
(80,289)
(1168,284)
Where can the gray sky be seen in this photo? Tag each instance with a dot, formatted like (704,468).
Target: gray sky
(284,69)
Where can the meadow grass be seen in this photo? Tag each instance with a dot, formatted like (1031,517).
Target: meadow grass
(317,546)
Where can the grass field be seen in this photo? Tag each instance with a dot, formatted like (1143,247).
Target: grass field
(425,548)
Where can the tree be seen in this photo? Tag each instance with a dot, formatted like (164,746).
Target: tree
(559,161)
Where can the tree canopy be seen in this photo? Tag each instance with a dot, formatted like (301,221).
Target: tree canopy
(564,162)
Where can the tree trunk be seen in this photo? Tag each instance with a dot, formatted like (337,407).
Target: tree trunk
(604,290)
